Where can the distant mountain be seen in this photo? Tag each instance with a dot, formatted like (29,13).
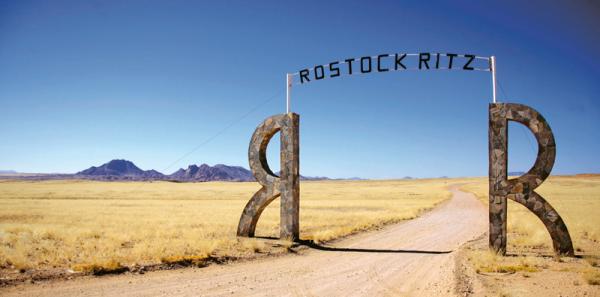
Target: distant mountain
(222,172)
(516,173)
(119,169)
(7,172)
(302,177)
(218,172)
(125,170)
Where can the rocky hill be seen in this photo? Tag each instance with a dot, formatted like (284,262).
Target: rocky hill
(119,169)
(218,172)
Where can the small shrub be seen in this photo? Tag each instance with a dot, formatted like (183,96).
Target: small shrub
(186,260)
(490,262)
(108,267)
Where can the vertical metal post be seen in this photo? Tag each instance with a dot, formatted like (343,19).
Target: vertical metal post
(493,69)
(288,89)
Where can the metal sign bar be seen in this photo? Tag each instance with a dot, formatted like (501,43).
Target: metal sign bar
(393,62)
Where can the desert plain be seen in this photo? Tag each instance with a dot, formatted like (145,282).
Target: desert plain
(58,231)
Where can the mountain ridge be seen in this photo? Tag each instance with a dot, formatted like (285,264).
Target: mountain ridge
(219,172)
(121,169)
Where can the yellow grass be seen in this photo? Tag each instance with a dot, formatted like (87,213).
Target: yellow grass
(486,261)
(91,226)
(577,200)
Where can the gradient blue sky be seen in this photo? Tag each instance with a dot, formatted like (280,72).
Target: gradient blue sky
(83,82)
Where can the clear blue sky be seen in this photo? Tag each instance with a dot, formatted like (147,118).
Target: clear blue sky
(84,82)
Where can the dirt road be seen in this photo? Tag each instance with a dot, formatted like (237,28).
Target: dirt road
(414,258)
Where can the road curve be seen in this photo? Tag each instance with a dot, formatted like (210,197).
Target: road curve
(413,258)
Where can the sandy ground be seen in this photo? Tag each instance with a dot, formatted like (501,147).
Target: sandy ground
(414,258)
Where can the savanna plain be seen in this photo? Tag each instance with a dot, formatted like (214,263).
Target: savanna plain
(71,227)
(95,226)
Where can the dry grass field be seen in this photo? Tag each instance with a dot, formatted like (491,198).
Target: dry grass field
(89,225)
(577,200)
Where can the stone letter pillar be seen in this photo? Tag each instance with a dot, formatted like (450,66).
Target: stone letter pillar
(287,185)
(522,188)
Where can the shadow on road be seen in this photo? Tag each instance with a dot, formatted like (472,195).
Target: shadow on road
(313,245)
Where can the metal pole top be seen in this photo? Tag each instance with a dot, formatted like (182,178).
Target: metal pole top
(288,88)
(493,70)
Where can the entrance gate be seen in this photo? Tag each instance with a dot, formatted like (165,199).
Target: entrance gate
(521,189)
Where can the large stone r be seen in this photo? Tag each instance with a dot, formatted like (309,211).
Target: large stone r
(287,185)
(522,188)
